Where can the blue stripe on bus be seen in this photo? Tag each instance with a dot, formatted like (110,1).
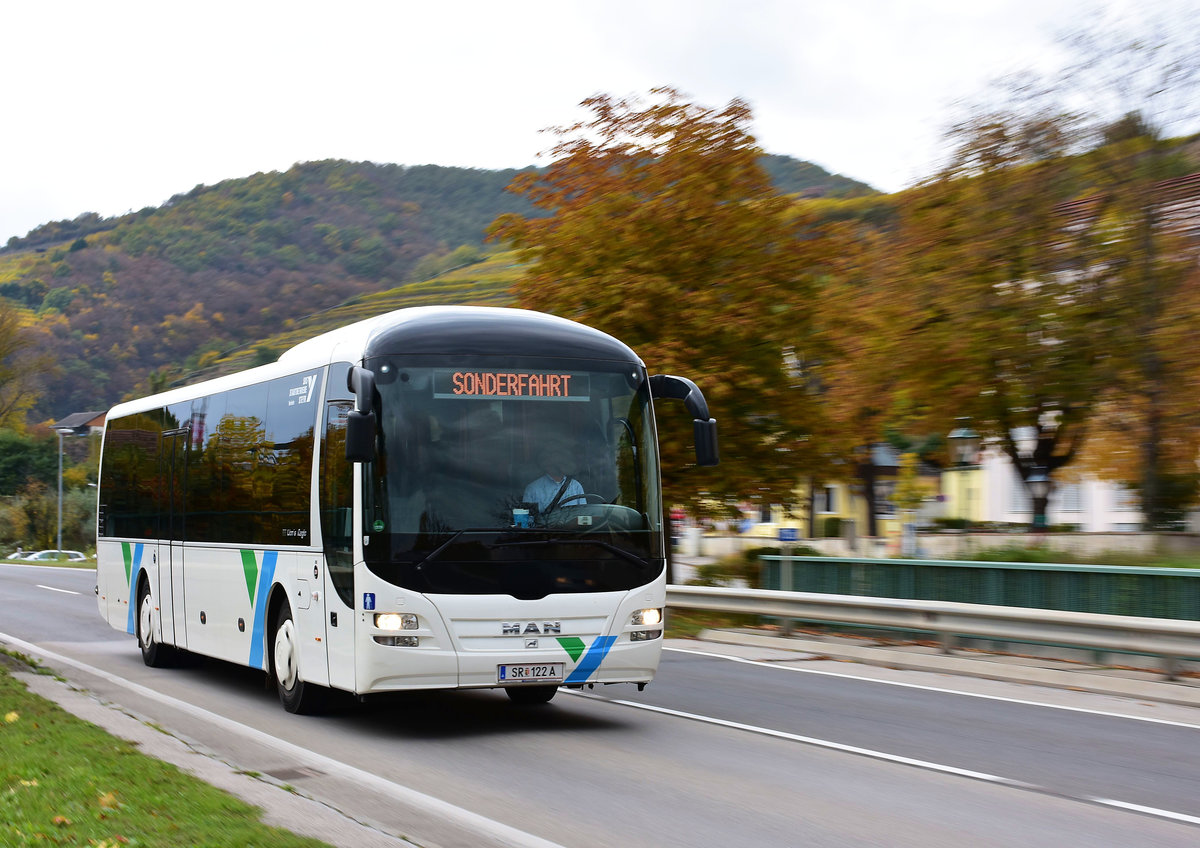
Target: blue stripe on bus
(265,578)
(592,659)
(133,584)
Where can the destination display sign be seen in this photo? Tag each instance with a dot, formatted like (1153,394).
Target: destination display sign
(518,385)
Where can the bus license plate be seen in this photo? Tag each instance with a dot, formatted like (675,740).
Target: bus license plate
(530,673)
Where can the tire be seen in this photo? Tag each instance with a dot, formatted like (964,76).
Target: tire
(154,653)
(526,695)
(295,695)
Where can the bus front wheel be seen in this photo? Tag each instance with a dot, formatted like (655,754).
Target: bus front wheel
(295,695)
(154,653)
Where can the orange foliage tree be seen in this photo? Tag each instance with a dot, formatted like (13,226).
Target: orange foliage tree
(664,231)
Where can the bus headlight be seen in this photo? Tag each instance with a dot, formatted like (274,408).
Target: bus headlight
(395,621)
(647,617)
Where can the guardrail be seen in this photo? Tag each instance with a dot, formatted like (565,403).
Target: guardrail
(1169,639)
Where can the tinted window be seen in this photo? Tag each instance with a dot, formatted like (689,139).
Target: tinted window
(129,476)
(234,467)
(286,463)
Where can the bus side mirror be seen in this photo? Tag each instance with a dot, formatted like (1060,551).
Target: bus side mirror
(706,442)
(704,427)
(360,436)
(360,421)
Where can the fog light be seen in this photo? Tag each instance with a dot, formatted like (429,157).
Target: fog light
(399,641)
(395,621)
(644,635)
(648,617)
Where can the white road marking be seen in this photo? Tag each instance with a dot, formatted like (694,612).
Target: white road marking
(53,589)
(1149,811)
(941,690)
(883,756)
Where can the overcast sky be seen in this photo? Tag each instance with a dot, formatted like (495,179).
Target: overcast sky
(111,107)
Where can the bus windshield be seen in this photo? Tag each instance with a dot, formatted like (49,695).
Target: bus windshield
(529,480)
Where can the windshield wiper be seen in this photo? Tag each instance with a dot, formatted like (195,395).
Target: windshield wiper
(436,552)
(611,548)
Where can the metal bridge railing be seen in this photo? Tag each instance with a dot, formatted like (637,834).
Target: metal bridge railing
(1112,590)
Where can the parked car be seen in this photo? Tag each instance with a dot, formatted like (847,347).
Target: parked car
(19,554)
(52,556)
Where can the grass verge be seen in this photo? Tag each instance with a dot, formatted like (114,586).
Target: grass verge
(64,781)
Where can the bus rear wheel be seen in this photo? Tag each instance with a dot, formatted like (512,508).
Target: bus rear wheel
(531,694)
(295,695)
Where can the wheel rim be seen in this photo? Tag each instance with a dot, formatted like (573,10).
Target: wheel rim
(146,621)
(285,655)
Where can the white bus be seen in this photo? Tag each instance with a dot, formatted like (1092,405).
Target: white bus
(382,510)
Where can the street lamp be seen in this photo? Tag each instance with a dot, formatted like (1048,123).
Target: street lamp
(64,431)
(1039,490)
(965,443)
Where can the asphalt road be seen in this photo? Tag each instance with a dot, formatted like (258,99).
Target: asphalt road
(761,749)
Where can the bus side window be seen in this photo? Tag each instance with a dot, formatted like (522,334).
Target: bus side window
(337,490)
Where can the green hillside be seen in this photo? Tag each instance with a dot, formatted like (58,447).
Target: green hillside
(125,303)
(485,283)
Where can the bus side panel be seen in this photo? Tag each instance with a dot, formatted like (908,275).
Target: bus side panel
(225,600)
(117,564)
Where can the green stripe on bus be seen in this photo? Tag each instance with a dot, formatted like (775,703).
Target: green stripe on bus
(250,567)
(573,645)
(127,555)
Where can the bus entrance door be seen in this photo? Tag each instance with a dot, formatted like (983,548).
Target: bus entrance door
(173,470)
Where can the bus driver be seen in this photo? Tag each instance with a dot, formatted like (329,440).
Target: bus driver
(555,488)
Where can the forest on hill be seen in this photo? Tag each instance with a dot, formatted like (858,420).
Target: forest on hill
(136,301)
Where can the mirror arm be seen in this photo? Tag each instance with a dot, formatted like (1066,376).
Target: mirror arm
(703,425)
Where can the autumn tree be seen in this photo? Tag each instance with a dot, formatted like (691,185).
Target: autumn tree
(18,368)
(1053,272)
(664,231)
(1142,212)
(1007,312)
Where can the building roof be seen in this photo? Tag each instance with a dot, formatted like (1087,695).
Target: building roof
(79,420)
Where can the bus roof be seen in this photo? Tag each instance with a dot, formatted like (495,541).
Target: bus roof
(465,330)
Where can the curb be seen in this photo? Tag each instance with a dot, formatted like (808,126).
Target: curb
(280,806)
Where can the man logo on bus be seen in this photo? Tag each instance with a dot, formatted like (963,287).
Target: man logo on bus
(515,628)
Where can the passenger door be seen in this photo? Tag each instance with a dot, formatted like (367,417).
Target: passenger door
(169,556)
(336,493)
